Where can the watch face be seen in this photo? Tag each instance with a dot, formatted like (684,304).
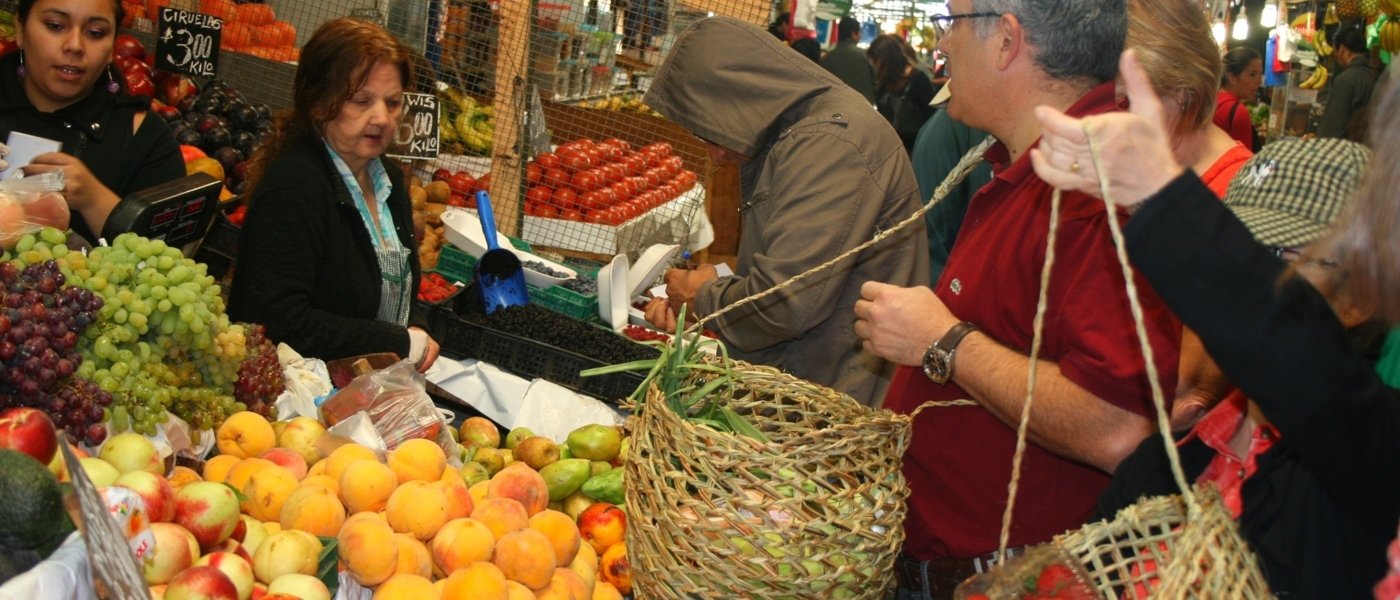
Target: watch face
(936,365)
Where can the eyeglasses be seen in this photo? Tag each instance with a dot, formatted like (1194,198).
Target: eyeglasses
(1296,256)
(944,23)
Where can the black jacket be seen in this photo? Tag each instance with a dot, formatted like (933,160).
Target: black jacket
(1325,502)
(306,264)
(96,130)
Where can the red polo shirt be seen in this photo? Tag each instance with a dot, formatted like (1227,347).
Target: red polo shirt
(959,461)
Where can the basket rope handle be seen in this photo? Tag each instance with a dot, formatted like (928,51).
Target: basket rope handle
(956,176)
(1037,336)
(1140,328)
(1158,398)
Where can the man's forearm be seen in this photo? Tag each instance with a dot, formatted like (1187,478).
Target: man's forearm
(1065,418)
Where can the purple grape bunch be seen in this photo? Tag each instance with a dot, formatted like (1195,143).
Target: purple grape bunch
(260,379)
(41,322)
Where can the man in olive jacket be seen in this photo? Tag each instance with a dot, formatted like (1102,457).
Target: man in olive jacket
(848,62)
(821,173)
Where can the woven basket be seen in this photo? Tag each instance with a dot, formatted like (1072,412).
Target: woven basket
(816,513)
(1154,547)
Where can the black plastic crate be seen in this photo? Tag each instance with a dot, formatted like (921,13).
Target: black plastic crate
(460,338)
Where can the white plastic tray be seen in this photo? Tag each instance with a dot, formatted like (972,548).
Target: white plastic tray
(463,230)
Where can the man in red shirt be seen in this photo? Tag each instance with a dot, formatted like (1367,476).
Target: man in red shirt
(969,337)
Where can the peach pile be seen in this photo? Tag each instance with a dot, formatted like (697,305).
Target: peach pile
(406,524)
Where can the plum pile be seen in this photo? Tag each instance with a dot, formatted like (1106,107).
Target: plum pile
(221,122)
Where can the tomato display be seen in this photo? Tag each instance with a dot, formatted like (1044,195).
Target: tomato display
(603,182)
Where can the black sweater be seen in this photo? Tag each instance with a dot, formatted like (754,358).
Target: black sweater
(306,264)
(97,131)
(1325,501)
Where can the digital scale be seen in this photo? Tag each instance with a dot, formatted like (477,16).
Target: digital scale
(177,211)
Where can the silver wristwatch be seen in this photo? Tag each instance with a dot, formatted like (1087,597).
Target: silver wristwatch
(938,359)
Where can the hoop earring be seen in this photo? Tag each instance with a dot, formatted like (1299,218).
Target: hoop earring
(21,70)
(112,85)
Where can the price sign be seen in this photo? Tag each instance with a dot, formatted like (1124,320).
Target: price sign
(188,42)
(417,136)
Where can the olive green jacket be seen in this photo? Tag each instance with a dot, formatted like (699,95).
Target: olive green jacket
(825,174)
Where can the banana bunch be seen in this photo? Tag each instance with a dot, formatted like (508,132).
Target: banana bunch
(466,124)
(1317,80)
(619,103)
(1390,7)
(1324,49)
(1389,35)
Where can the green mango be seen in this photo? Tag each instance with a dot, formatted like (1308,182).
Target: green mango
(596,442)
(564,477)
(606,487)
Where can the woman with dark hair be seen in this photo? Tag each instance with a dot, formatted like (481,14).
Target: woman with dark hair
(61,85)
(902,92)
(326,259)
(1239,84)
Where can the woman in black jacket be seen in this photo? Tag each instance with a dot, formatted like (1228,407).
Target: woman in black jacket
(326,259)
(902,91)
(1322,502)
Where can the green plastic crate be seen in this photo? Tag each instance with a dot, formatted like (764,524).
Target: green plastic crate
(455,264)
(565,301)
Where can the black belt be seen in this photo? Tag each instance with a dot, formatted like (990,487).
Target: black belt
(943,575)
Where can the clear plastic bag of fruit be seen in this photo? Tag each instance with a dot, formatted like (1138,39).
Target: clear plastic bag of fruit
(397,402)
(29,204)
(1039,572)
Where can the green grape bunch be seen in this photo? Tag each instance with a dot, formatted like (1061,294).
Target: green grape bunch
(162,342)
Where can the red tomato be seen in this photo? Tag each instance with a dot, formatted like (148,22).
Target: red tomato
(565,198)
(610,152)
(653,159)
(596,216)
(462,183)
(626,212)
(655,176)
(587,181)
(547,160)
(576,161)
(628,185)
(621,145)
(687,179)
(638,183)
(620,191)
(674,164)
(455,199)
(556,178)
(571,215)
(484,183)
(608,196)
(596,154)
(549,212)
(592,200)
(442,175)
(636,163)
(615,172)
(533,173)
(539,195)
(662,149)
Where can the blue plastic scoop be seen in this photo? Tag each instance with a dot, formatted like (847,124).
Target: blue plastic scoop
(499,275)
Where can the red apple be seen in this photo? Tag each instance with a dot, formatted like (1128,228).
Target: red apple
(238,569)
(175,550)
(201,583)
(30,431)
(209,510)
(128,46)
(140,86)
(175,89)
(155,492)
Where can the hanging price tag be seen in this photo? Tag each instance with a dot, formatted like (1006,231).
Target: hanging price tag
(417,136)
(188,42)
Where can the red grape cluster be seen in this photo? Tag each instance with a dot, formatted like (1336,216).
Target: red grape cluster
(260,374)
(40,323)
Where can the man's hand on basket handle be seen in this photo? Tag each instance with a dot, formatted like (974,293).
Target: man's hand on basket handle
(1133,147)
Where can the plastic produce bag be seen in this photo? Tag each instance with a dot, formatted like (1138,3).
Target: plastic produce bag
(29,204)
(396,402)
(1039,572)
(307,383)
